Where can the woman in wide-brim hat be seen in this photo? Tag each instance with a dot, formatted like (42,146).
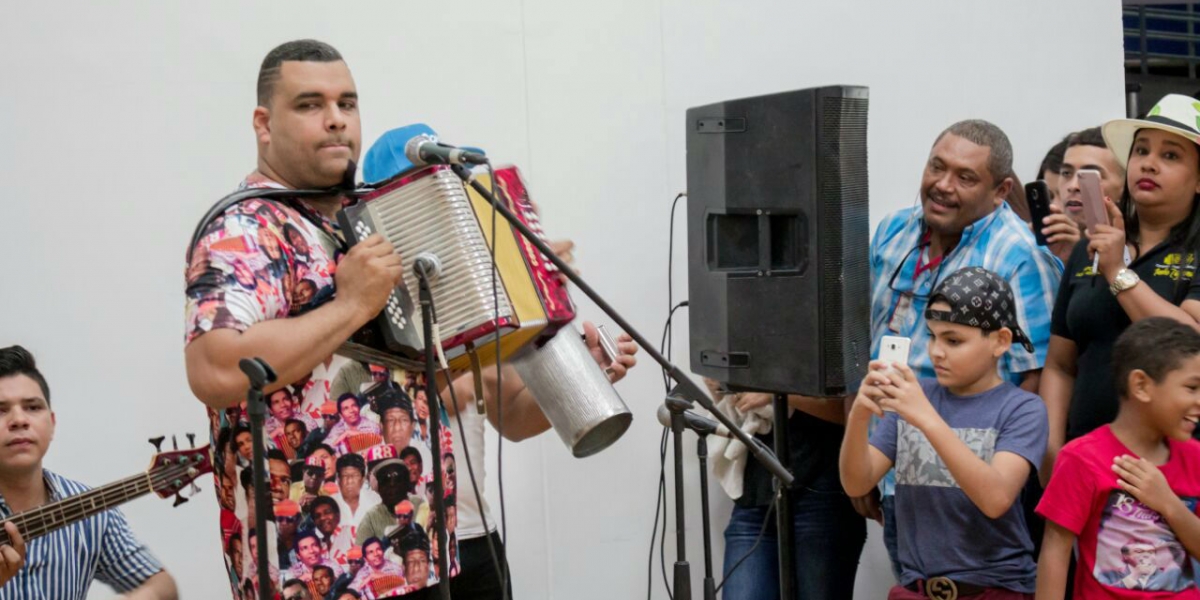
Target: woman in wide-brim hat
(1146,260)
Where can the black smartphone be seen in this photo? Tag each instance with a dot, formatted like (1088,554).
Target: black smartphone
(1037,193)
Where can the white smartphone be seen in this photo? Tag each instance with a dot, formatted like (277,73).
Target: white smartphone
(893,350)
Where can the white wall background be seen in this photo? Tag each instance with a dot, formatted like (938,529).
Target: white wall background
(121,123)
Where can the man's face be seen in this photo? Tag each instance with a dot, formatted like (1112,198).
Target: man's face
(26,424)
(404,519)
(374,555)
(245,444)
(393,484)
(1141,559)
(235,556)
(326,518)
(287,526)
(421,403)
(349,409)
(957,189)
(311,130)
(309,551)
(1112,178)
(281,480)
(414,467)
(228,492)
(350,481)
(324,455)
(296,591)
(323,581)
(313,478)
(397,427)
(451,518)
(416,568)
(281,405)
(295,434)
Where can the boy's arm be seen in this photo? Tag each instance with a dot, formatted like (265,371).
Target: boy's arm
(991,487)
(861,464)
(1145,482)
(1054,562)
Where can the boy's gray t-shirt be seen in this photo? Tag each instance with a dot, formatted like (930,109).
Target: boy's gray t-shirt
(940,531)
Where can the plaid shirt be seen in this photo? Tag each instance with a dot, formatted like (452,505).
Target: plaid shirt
(62,564)
(1000,242)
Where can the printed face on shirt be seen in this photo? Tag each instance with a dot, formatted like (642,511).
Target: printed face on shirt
(323,580)
(26,424)
(348,407)
(245,444)
(326,518)
(309,551)
(281,404)
(963,356)
(413,460)
(287,525)
(350,481)
(421,403)
(310,131)
(281,479)
(313,478)
(1083,156)
(325,456)
(1163,173)
(227,491)
(235,555)
(1173,404)
(416,568)
(397,427)
(957,188)
(295,433)
(394,484)
(374,554)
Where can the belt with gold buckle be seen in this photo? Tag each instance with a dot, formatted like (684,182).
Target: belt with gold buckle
(944,588)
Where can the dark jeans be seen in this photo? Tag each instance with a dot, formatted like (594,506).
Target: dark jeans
(890,539)
(478,579)
(829,537)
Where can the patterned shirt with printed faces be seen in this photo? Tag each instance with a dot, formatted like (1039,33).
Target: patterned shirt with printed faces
(999,242)
(263,260)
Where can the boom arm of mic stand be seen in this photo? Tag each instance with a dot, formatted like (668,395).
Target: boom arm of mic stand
(684,386)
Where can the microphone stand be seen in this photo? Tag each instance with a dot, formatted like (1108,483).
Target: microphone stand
(428,316)
(677,406)
(783,511)
(685,391)
(260,374)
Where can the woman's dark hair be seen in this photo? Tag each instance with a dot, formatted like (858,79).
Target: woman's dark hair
(1053,160)
(1184,237)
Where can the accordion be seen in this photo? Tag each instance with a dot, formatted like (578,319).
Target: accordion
(429,212)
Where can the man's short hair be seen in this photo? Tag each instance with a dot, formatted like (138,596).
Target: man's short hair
(297,50)
(325,447)
(414,541)
(15,360)
(302,425)
(410,451)
(276,454)
(983,133)
(1087,137)
(1157,345)
(302,535)
(326,567)
(229,543)
(369,541)
(351,460)
(247,477)
(324,501)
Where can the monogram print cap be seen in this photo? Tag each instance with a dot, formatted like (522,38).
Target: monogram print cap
(978,298)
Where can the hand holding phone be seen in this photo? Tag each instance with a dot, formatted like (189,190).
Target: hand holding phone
(1037,193)
(893,350)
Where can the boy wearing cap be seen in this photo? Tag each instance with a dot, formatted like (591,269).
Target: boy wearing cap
(963,445)
(1125,495)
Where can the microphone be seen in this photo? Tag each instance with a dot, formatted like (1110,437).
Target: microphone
(427,264)
(695,422)
(425,149)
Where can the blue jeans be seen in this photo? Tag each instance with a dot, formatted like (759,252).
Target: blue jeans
(828,537)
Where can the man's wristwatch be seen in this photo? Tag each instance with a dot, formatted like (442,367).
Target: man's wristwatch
(1124,279)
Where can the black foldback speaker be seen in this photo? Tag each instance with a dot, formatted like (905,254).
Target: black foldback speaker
(778,276)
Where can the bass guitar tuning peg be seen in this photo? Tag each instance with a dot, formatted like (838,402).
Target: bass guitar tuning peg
(157,441)
(179,499)
(191,440)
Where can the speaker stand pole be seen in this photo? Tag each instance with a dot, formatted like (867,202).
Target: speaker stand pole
(783,511)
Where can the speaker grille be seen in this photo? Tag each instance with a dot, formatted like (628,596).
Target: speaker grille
(845,270)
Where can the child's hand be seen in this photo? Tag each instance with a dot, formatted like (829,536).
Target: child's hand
(1145,482)
(869,392)
(903,394)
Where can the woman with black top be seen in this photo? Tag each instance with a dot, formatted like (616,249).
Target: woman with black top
(1146,261)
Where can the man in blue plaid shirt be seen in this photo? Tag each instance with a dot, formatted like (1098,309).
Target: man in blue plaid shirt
(61,564)
(962,221)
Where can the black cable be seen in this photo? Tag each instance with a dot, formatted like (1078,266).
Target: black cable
(499,388)
(761,532)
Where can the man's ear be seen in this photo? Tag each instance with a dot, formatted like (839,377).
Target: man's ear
(262,124)
(1003,189)
(1140,384)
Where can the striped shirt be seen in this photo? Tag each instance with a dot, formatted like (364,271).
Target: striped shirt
(1000,242)
(62,564)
